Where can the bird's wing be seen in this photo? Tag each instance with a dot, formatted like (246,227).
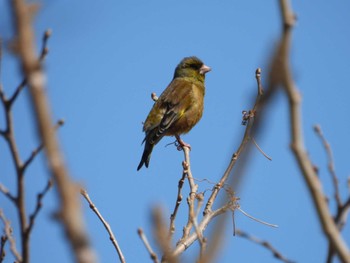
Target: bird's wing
(171,105)
(176,100)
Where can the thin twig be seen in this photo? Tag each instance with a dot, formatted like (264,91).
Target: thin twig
(105,224)
(36,151)
(260,150)
(7,193)
(342,210)
(4,239)
(38,206)
(265,244)
(255,219)
(19,198)
(8,233)
(43,53)
(20,167)
(340,219)
(177,205)
(342,214)
(328,149)
(248,120)
(147,245)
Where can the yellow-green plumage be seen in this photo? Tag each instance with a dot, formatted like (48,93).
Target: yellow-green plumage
(178,108)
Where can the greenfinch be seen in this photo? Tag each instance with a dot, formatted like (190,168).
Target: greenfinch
(178,109)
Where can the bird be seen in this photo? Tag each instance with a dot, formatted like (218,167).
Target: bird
(178,109)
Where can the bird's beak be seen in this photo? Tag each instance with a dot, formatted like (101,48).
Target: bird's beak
(204,69)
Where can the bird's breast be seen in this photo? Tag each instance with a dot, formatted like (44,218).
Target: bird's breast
(192,112)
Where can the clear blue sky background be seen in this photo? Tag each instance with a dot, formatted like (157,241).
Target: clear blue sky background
(105,60)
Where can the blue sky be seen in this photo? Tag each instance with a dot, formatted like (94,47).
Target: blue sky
(105,60)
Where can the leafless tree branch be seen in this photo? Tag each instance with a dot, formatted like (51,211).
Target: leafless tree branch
(23,84)
(162,238)
(4,239)
(38,206)
(281,75)
(265,244)
(70,212)
(7,193)
(248,121)
(331,169)
(147,245)
(8,233)
(177,204)
(36,151)
(105,224)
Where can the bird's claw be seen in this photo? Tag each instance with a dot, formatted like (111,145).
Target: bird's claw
(179,143)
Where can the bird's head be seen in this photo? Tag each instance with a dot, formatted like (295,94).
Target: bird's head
(191,67)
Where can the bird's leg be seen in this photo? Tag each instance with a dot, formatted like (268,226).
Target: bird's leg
(181,143)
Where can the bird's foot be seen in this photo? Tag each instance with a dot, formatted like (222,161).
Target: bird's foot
(180,144)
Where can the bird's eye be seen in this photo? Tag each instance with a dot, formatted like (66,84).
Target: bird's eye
(195,66)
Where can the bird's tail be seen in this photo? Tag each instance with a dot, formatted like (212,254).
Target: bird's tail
(146,156)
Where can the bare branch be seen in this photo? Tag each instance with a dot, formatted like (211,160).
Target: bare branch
(8,233)
(177,205)
(7,193)
(281,74)
(43,54)
(248,120)
(192,195)
(255,219)
(193,215)
(340,219)
(36,151)
(265,244)
(327,147)
(183,244)
(18,200)
(39,204)
(4,239)
(70,212)
(105,224)
(147,245)
(342,214)
(260,150)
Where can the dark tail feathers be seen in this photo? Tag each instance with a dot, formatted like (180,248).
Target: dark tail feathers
(146,156)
